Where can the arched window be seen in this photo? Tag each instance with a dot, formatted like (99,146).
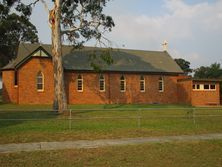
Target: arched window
(79,83)
(142,84)
(161,84)
(122,84)
(101,83)
(40,81)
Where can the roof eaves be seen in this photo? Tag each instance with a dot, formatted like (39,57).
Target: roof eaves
(201,80)
(135,72)
(6,69)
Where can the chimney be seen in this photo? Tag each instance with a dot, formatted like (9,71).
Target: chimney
(165,45)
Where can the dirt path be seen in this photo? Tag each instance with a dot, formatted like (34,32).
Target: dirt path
(12,148)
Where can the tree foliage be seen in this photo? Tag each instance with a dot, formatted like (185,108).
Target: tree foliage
(77,21)
(212,71)
(14,28)
(83,20)
(184,65)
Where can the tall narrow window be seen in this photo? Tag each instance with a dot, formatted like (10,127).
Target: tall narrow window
(16,78)
(142,84)
(79,83)
(122,84)
(161,84)
(40,81)
(101,83)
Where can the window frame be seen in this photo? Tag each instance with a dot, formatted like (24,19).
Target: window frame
(79,80)
(122,83)
(206,86)
(102,80)
(15,78)
(142,84)
(215,87)
(41,76)
(161,81)
(201,87)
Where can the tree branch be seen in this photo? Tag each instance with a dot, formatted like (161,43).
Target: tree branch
(45,5)
(34,3)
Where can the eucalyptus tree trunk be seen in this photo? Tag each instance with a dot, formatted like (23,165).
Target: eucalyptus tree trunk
(60,100)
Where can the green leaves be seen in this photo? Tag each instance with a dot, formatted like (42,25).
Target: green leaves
(212,71)
(100,58)
(14,28)
(184,65)
(85,18)
(24,9)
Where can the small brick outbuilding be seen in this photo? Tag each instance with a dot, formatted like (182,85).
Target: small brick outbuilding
(135,77)
(199,92)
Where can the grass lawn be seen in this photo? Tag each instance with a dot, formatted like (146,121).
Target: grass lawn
(195,154)
(116,121)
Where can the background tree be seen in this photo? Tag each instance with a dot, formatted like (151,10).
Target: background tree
(14,28)
(77,21)
(184,65)
(212,71)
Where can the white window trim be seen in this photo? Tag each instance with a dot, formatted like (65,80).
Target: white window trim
(43,82)
(124,84)
(78,83)
(202,87)
(162,81)
(144,83)
(104,82)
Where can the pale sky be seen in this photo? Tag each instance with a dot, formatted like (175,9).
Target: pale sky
(193,28)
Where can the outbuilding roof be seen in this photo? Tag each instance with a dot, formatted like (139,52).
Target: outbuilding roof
(124,60)
(201,80)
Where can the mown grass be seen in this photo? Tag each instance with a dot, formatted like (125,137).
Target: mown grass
(179,154)
(115,121)
(9,106)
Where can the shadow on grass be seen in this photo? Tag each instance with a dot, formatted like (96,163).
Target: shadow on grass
(96,108)
(116,106)
(11,118)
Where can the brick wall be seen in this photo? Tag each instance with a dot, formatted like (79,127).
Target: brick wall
(27,89)
(184,92)
(206,97)
(9,90)
(26,92)
(92,95)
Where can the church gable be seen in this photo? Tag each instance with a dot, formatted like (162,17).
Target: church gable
(40,52)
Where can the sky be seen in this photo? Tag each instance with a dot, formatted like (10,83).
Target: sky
(192,28)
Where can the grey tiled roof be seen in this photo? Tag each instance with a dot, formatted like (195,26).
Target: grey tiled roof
(124,60)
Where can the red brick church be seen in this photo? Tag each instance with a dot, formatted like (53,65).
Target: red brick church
(135,77)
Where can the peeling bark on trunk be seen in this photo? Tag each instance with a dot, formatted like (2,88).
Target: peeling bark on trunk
(60,101)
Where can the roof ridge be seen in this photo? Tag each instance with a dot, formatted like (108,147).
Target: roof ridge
(89,47)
